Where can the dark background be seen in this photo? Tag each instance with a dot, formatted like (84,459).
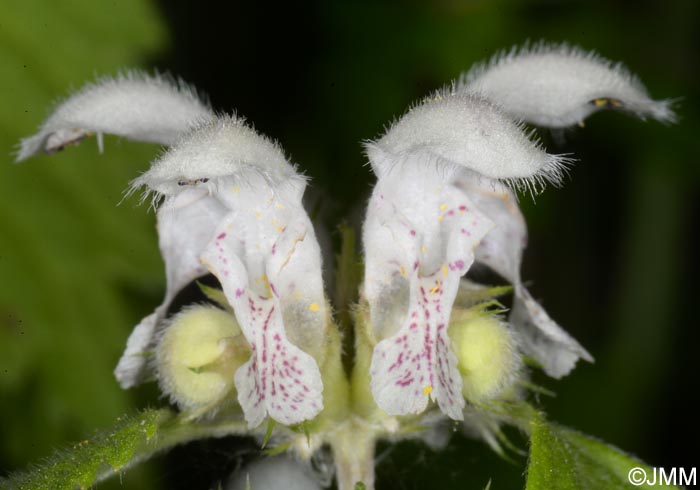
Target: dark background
(613,254)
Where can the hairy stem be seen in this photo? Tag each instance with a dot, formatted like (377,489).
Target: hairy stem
(353,451)
(173,431)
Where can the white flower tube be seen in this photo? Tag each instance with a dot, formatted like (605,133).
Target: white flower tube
(136,106)
(502,250)
(556,86)
(420,235)
(263,251)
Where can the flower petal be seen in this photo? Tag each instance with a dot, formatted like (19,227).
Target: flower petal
(502,249)
(266,232)
(470,132)
(542,338)
(136,106)
(186,223)
(436,228)
(555,85)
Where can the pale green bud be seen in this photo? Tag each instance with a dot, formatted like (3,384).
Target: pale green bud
(197,357)
(487,356)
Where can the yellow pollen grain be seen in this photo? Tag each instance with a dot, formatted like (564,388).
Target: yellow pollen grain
(236,189)
(280,229)
(436,288)
(440,218)
(403,271)
(424,249)
(279,206)
(428,390)
(444,271)
(313,307)
(443,207)
(600,102)
(258,215)
(265,280)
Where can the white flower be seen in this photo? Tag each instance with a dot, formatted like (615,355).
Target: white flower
(258,240)
(264,252)
(421,232)
(232,206)
(555,85)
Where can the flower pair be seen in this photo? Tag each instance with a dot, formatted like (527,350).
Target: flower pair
(232,206)
(444,200)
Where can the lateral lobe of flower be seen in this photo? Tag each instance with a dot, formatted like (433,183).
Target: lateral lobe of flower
(556,86)
(185,224)
(542,338)
(501,250)
(280,379)
(136,106)
(414,361)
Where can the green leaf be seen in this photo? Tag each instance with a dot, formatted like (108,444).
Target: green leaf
(90,460)
(564,459)
(132,440)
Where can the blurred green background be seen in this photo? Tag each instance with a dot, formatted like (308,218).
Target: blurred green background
(613,254)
